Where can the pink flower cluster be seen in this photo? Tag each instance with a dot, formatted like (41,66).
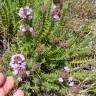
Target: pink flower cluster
(25,13)
(70,79)
(64,75)
(55,12)
(25,28)
(17,64)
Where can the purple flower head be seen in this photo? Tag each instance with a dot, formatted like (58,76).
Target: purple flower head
(25,12)
(25,28)
(55,12)
(19,66)
(16,59)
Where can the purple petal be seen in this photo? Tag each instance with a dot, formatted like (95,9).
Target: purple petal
(22,66)
(28,10)
(29,17)
(31,29)
(21,56)
(15,71)
(14,66)
(21,13)
(60,79)
(27,73)
(20,78)
(56,17)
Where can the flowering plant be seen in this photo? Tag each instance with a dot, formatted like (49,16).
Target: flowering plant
(42,44)
(19,66)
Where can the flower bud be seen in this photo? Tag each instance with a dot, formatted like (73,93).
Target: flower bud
(39,48)
(54,40)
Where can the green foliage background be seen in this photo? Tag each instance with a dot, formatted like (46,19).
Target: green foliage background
(77,32)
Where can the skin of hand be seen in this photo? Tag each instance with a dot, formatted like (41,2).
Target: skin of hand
(7,84)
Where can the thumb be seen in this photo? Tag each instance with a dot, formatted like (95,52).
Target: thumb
(2,79)
(19,92)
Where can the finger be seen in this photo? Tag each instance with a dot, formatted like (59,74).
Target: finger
(9,84)
(2,79)
(2,93)
(19,92)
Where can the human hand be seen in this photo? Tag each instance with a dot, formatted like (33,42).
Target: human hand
(6,85)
